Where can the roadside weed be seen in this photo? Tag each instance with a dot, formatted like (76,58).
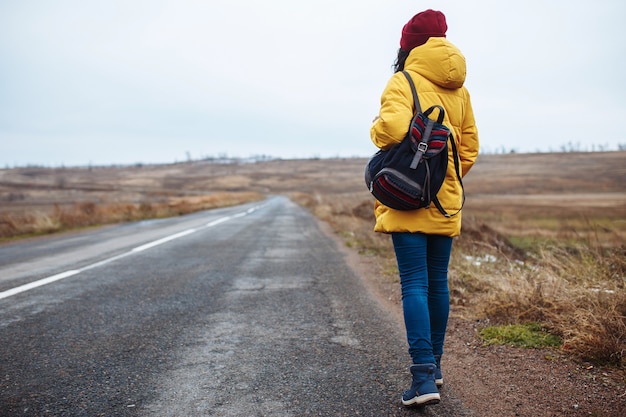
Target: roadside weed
(528,335)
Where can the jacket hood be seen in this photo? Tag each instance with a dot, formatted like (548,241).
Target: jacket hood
(439,61)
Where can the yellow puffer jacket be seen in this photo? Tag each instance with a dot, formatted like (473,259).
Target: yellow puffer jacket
(438,71)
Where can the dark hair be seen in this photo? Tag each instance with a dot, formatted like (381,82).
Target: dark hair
(400,60)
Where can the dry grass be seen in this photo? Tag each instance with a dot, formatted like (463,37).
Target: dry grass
(576,290)
(86,214)
(542,241)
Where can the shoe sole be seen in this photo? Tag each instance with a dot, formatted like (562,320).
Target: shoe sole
(424,399)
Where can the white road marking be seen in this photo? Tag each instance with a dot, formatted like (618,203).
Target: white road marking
(39,283)
(149,245)
(218,221)
(106,261)
(163,240)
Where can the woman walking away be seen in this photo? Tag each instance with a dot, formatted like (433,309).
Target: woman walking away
(422,238)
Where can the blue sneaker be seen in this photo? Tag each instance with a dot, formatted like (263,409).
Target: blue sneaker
(423,389)
(438,374)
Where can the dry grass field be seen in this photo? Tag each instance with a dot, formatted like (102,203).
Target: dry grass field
(543,234)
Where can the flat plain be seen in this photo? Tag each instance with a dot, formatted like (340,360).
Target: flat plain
(543,240)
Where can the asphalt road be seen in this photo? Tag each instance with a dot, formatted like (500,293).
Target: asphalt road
(244,311)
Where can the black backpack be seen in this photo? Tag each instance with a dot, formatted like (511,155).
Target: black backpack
(408,175)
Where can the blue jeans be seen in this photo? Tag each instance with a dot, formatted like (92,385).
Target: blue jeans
(423,265)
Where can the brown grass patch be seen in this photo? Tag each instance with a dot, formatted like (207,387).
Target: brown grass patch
(85,214)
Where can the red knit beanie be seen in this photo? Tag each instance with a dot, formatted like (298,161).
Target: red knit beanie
(426,24)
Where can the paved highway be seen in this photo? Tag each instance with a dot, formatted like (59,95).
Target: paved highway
(243,311)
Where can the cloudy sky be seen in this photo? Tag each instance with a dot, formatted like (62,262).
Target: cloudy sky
(127,81)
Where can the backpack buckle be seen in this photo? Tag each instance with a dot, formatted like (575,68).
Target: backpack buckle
(422,147)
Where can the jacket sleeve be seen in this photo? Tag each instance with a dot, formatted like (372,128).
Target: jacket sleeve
(396,112)
(469,144)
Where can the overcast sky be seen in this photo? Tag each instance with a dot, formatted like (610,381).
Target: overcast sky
(128,81)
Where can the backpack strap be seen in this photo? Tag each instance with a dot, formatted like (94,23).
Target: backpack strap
(422,147)
(457,168)
(455,154)
(416,100)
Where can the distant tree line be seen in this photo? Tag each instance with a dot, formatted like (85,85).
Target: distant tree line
(568,147)
(224,158)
